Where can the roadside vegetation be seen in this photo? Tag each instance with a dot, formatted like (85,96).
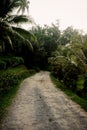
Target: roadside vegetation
(10,80)
(22,52)
(13,43)
(73,96)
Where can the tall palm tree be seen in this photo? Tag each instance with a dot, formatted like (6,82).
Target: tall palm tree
(8,19)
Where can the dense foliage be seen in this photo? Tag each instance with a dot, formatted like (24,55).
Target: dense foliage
(14,41)
(48,39)
(6,62)
(69,61)
(11,14)
(64,53)
(11,77)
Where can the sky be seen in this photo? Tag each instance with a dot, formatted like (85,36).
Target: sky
(68,12)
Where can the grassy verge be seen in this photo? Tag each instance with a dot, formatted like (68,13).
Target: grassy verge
(73,96)
(6,98)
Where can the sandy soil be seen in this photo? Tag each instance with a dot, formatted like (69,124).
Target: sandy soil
(40,106)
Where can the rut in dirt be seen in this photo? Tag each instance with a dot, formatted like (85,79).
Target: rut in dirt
(39,105)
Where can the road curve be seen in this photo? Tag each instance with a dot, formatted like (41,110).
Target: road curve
(40,106)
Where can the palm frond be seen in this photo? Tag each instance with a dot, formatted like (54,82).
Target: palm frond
(24,40)
(23,6)
(8,41)
(7,6)
(5,31)
(7,19)
(26,34)
(19,19)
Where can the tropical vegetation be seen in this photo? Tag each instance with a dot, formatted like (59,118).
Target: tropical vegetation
(63,53)
(13,40)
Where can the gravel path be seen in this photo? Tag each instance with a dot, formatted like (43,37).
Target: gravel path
(40,106)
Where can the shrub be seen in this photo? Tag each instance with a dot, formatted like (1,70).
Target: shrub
(12,61)
(84,90)
(9,79)
(17,61)
(57,71)
(2,64)
(85,82)
(70,76)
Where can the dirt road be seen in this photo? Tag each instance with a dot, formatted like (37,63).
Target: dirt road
(40,106)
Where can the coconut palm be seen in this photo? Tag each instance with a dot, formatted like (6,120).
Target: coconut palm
(8,19)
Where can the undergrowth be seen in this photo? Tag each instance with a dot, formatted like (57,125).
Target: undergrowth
(7,95)
(82,102)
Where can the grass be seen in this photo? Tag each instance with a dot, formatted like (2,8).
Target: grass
(14,70)
(6,99)
(80,83)
(82,102)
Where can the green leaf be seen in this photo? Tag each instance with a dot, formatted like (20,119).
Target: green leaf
(25,40)
(19,19)
(26,34)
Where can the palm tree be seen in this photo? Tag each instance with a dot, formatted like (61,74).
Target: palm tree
(8,20)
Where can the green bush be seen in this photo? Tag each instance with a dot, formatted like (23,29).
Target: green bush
(84,90)
(8,79)
(85,82)
(57,71)
(13,61)
(82,102)
(70,76)
(2,64)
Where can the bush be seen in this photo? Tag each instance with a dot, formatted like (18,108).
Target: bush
(17,61)
(11,62)
(57,71)
(2,64)
(84,90)
(70,76)
(9,79)
(85,83)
